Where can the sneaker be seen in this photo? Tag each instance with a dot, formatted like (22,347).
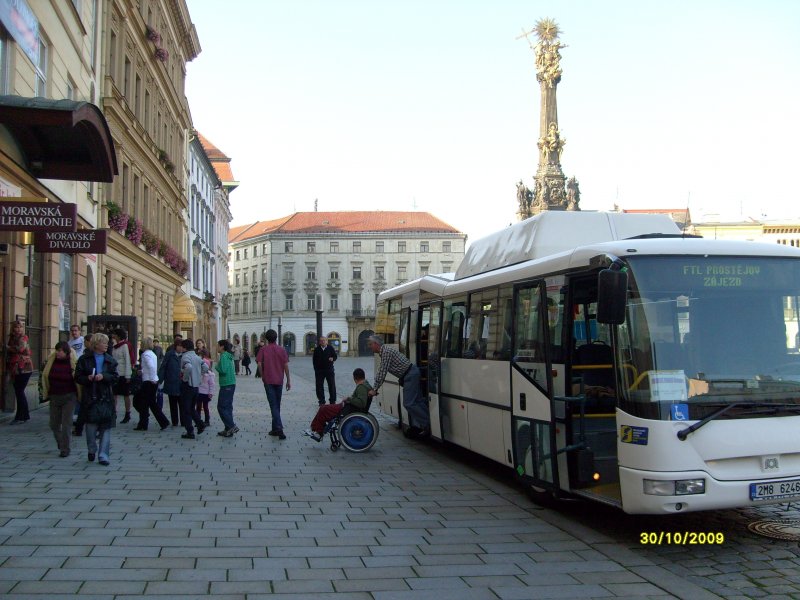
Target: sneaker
(234,429)
(18,422)
(225,433)
(281,436)
(321,402)
(127,418)
(313,435)
(91,457)
(188,436)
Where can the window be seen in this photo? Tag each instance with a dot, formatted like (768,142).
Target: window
(447,267)
(378,247)
(356,246)
(446,247)
(288,302)
(424,247)
(401,272)
(356,272)
(238,256)
(255,253)
(255,274)
(334,273)
(311,272)
(236,306)
(245,253)
(263,249)
(424,270)
(244,305)
(401,246)
(288,273)
(263,275)
(379,272)
(334,305)
(311,302)
(238,280)
(41,69)
(311,247)
(264,305)
(334,247)
(287,247)
(245,277)
(4,45)
(356,302)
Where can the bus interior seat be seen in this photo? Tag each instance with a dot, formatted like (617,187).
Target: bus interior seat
(592,381)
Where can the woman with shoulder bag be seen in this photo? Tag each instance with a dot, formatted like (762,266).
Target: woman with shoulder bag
(97,373)
(122,354)
(19,367)
(59,388)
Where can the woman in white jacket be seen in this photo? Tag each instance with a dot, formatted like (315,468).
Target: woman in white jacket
(122,354)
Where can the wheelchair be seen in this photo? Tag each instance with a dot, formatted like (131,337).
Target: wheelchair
(356,431)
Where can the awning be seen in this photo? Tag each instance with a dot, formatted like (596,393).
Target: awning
(60,139)
(183,308)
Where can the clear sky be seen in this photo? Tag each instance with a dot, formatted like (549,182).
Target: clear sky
(434,105)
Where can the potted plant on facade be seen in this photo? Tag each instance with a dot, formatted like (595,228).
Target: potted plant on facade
(153,35)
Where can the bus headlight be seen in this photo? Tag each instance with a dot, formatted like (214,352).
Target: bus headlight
(681,487)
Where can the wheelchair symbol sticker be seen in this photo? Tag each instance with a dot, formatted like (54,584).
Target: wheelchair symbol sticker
(680,412)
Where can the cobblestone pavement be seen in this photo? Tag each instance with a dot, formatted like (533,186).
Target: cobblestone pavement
(252,517)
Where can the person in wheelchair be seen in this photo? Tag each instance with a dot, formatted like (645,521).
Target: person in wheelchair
(358,401)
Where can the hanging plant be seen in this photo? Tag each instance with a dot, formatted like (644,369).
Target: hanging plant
(161,54)
(117,220)
(134,231)
(153,35)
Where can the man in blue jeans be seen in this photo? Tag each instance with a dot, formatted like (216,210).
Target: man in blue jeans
(273,363)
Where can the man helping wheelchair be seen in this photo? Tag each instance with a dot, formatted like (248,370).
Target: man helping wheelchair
(348,422)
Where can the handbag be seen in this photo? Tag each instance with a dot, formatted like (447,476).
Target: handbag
(101,412)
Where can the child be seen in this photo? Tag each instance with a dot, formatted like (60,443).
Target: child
(206,389)
(356,402)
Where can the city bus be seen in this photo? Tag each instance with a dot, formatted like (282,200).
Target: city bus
(609,356)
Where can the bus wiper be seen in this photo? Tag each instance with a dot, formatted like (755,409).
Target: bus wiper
(770,406)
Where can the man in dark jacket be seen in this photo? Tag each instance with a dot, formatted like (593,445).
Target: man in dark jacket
(169,375)
(323,359)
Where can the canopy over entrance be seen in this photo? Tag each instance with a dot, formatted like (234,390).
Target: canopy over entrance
(183,308)
(60,139)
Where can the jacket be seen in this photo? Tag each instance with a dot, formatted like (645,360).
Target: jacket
(226,370)
(96,390)
(121,353)
(169,373)
(45,378)
(321,358)
(192,368)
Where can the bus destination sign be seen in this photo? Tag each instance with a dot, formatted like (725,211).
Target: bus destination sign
(723,275)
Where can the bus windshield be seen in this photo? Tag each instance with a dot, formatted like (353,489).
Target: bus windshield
(705,331)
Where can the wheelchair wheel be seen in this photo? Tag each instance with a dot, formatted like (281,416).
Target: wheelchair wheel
(358,432)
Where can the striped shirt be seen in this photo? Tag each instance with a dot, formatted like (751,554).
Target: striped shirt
(393,362)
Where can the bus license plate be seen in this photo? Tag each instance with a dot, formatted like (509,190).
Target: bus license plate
(775,489)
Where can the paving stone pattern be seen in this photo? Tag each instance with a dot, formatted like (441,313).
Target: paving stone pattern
(252,517)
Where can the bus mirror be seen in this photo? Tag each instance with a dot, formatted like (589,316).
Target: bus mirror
(612,291)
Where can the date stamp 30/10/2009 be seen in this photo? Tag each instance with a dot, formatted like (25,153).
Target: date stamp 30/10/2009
(681,538)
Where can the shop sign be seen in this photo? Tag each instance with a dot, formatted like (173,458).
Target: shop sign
(16,215)
(85,241)
(22,24)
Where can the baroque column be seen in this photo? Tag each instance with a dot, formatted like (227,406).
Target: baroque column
(549,192)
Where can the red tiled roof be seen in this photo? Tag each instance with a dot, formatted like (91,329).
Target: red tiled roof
(219,160)
(345,222)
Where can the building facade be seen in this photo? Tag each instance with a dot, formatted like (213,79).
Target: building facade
(55,146)
(145,47)
(284,271)
(221,222)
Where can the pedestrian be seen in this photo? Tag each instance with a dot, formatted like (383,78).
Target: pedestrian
(158,351)
(169,376)
(273,363)
(199,346)
(145,401)
(75,340)
(121,353)
(191,372)
(246,361)
(61,391)
(227,387)
(358,401)
(80,416)
(259,346)
(19,367)
(205,392)
(323,358)
(237,354)
(407,372)
(97,373)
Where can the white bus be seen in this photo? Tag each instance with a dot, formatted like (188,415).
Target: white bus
(607,356)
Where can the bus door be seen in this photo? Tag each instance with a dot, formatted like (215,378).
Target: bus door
(428,360)
(531,388)
(588,409)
